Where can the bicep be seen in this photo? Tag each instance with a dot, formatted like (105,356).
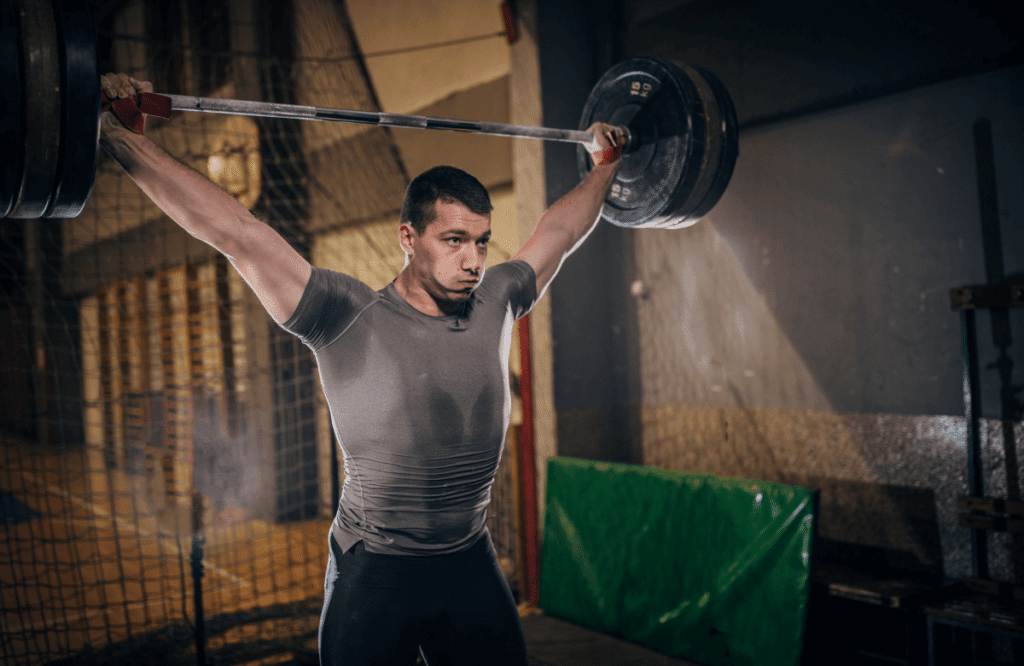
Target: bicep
(560,231)
(544,252)
(274,269)
(566,224)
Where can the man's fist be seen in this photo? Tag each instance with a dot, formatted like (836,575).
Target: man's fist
(118,86)
(609,141)
(130,113)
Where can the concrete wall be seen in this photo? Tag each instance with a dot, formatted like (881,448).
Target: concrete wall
(847,229)
(593,320)
(817,292)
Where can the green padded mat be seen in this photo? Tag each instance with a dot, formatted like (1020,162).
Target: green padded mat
(698,566)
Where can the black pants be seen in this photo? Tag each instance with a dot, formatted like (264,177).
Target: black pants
(379,609)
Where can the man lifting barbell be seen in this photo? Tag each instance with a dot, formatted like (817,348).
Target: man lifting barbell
(416,377)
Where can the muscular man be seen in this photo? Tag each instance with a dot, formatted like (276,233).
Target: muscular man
(416,377)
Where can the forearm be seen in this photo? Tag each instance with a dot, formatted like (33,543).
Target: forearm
(190,199)
(566,224)
(574,215)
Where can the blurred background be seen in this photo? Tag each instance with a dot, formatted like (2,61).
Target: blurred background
(800,333)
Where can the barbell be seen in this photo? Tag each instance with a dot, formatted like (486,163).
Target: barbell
(680,120)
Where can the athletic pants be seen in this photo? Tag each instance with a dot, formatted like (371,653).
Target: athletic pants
(379,609)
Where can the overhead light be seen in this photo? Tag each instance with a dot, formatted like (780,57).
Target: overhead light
(234,163)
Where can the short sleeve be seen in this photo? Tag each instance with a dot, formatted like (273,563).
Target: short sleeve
(522,286)
(329,304)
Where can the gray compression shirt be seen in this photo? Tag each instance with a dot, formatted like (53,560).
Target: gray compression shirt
(420,405)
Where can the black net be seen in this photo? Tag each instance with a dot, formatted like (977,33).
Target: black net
(157,426)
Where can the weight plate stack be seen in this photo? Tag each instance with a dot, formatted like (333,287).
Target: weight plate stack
(683,146)
(722,148)
(80,110)
(11,128)
(41,108)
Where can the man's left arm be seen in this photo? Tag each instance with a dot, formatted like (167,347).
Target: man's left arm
(565,225)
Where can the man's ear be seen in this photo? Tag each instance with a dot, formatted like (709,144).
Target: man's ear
(406,236)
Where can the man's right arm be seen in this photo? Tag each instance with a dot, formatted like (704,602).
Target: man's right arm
(273,268)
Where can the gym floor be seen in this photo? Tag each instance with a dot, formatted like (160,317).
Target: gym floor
(554,642)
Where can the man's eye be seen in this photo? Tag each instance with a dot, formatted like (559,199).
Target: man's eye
(483,242)
(455,241)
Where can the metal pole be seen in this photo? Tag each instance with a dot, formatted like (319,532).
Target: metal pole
(528,469)
(198,540)
(37,311)
(295,111)
(972,405)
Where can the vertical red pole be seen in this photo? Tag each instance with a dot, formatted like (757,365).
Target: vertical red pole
(509,19)
(528,467)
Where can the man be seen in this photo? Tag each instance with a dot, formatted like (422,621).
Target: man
(416,377)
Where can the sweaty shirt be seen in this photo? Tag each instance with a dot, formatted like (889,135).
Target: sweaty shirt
(420,405)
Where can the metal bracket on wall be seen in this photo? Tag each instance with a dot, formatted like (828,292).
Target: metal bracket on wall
(967,300)
(987,297)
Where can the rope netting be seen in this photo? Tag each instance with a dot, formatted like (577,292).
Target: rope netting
(153,417)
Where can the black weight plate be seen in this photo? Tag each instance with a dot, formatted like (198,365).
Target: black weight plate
(671,181)
(11,131)
(730,137)
(721,151)
(80,110)
(664,113)
(674,214)
(41,106)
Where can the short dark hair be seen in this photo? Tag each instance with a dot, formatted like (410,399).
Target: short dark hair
(442,183)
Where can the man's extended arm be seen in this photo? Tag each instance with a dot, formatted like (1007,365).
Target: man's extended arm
(273,268)
(565,225)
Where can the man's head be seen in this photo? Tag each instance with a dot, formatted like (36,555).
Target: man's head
(448,185)
(446,225)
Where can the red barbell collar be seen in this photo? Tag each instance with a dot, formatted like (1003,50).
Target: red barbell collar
(132,111)
(606,156)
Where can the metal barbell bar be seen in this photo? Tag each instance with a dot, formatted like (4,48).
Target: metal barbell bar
(299,112)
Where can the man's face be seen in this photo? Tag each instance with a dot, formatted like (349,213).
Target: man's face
(447,259)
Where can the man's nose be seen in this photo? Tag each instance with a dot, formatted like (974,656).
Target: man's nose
(473,258)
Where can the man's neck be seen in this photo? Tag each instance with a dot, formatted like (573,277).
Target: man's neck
(419,298)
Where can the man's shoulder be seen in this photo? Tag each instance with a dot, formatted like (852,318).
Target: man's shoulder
(515,282)
(329,289)
(513,270)
(332,280)
(330,303)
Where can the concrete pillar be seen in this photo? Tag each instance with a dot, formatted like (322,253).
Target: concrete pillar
(593,322)
(531,199)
